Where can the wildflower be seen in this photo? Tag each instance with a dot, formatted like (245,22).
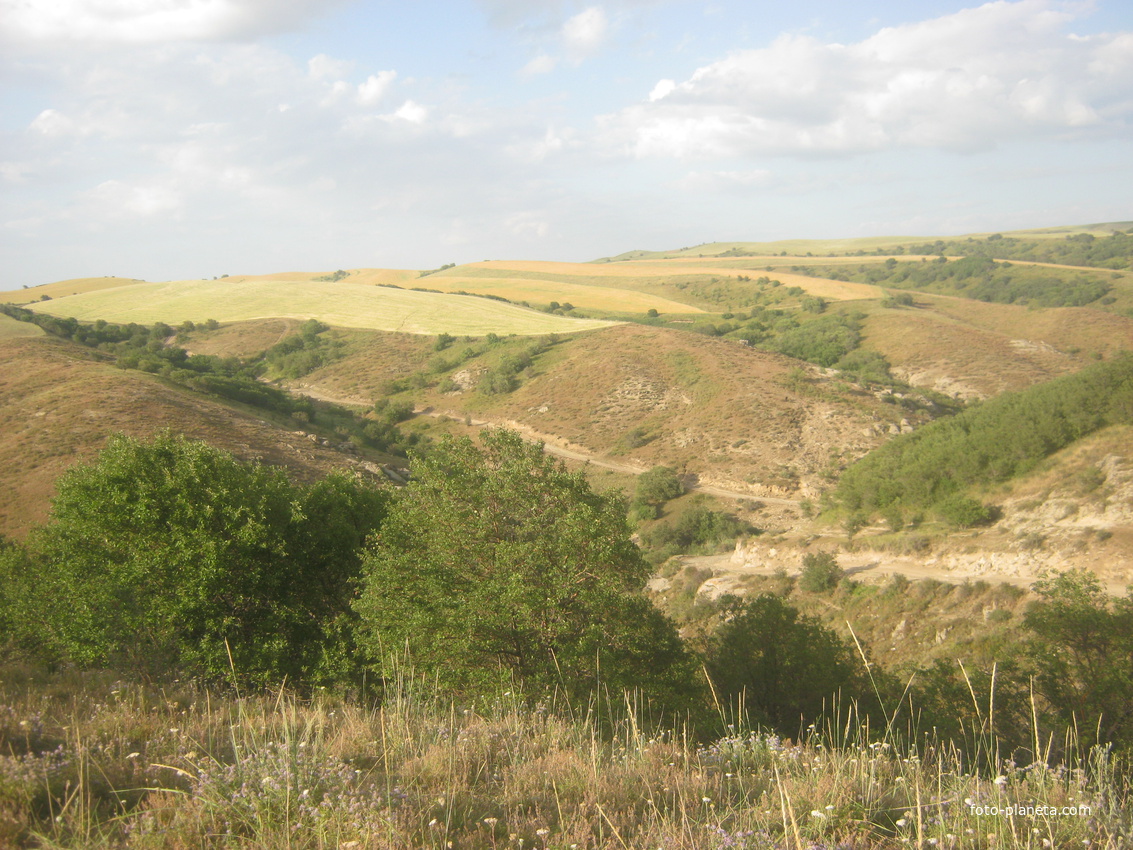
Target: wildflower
(542,833)
(817,814)
(1000,780)
(491,821)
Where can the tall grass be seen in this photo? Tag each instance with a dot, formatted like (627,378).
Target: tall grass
(92,763)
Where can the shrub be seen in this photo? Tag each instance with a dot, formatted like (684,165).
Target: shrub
(173,557)
(963,512)
(657,486)
(779,665)
(821,572)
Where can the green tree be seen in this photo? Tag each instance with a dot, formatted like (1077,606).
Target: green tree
(657,486)
(821,572)
(780,666)
(1083,650)
(499,559)
(172,556)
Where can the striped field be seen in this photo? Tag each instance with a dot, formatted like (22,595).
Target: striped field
(341,304)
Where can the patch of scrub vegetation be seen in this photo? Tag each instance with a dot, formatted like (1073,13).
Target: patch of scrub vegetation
(303,353)
(500,364)
(1114,251)
(978,277)
(233,379)
(934,467)
(691,527)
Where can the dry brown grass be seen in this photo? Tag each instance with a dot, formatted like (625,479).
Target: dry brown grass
(96,766)
(63,288)
(241,339)
(712,407)
(933,351)
(59,402)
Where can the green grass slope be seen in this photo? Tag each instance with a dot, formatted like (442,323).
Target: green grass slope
(11,329)
(991,443)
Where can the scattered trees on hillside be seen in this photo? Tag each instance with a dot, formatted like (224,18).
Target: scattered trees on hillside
(932,466)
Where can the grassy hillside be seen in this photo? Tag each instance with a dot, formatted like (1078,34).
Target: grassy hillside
(11,329)
(339,303)
(730,413)
(820,247)
(59,402)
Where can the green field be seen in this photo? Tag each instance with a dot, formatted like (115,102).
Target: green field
(11,329)
(340,304)
(827,247)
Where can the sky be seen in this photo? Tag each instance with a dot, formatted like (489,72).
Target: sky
(170,139)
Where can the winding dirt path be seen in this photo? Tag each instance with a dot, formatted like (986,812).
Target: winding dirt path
(551,445)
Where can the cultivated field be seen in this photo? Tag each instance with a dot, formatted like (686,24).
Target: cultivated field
(636,274)
(539,291)
(339,303)
(63,288)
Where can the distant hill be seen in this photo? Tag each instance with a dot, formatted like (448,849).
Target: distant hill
(737,416)
(850,246)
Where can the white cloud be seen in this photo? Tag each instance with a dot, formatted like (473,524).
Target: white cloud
(148,21)
(52,122)
(527,224)
(114,198)
(965,81)
(713,181)
(539,149)
(413,113)
(323,67)
(375,87)
(584,33)
(14,172)
(541,64)
(663,89)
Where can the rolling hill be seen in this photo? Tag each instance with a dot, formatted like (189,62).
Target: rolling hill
(59,402)
(668,357)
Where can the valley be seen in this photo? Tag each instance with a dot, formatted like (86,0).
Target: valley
(759,372)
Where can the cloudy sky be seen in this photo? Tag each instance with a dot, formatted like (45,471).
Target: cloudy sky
(165,139)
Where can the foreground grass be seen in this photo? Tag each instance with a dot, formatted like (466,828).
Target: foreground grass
(88,764)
